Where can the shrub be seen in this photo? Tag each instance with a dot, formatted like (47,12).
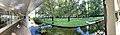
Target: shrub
(37,20)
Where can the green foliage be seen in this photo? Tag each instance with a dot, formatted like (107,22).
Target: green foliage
(70,7)
(95,7)
(96,27)
(37,20)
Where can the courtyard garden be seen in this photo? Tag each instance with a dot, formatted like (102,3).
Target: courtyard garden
(54,30)
(70,17)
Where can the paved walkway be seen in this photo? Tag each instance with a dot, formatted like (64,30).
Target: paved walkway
(22,29)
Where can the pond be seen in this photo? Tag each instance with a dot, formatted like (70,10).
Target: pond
(68,31)
(74,27)
(33,30)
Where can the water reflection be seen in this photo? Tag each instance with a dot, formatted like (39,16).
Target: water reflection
(33,30)
(48,30)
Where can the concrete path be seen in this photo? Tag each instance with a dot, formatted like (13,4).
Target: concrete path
(22,29)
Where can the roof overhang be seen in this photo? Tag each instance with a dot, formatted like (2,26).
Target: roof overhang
(19,6)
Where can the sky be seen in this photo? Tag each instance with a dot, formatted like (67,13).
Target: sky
(116,5)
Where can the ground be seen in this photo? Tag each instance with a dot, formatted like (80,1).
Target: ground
(73,21)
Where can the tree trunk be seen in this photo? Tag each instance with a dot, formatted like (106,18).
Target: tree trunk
(76,16)
(52,18)
(44,19)
(68,18)
(0,19)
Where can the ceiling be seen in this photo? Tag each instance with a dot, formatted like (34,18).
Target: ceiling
(22,7)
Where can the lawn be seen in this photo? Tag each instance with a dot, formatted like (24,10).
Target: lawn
(73,21)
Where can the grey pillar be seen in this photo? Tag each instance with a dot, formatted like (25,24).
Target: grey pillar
(111,29)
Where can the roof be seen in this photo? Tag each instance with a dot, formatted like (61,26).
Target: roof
(18,6)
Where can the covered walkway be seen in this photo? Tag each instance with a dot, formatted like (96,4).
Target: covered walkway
(15,17)
(14,14)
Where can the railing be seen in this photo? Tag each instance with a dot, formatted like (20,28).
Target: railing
(7,30)
(8,23)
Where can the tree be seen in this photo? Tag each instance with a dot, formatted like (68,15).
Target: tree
(49,8)
(71,8)
(83,8)
(58,8)
(95,7)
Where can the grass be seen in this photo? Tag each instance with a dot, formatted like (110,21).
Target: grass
(73,21)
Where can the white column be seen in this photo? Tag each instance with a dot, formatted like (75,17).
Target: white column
(117,23)
(111,29)
(24,29)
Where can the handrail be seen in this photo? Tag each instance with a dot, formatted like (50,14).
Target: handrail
(8,26)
